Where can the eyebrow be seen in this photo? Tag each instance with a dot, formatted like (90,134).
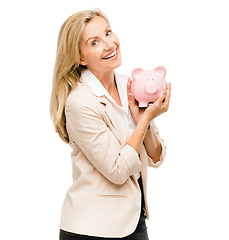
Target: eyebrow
(96,36)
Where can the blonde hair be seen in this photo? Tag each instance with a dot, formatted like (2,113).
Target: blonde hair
(67,70)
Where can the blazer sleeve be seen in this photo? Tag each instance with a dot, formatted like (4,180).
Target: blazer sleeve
(88,130)
(151,163)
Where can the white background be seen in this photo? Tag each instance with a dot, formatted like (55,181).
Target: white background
(188,195)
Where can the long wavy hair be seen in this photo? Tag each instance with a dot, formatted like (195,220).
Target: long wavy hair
(67,70)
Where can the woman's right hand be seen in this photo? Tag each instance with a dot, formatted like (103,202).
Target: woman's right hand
(160,106)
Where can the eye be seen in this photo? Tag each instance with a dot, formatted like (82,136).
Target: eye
(108,33)
(94,43)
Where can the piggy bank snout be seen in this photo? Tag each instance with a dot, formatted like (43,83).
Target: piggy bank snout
(151,88)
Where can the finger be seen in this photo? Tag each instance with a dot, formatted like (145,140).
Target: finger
(129,86)
(168,94)
(131,99)
(161,97)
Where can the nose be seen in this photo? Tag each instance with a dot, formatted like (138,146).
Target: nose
(109,44)
(151,88)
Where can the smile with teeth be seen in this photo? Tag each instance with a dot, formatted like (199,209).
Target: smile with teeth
(113,54)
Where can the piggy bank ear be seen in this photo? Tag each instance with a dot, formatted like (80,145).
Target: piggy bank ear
(161,70)
(136,71)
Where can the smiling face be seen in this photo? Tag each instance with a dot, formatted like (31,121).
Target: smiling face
(100,47)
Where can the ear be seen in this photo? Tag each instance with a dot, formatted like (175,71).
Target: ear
(161,70)
(82,62)
(136,71)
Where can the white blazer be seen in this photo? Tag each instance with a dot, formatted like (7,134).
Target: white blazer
(104,199)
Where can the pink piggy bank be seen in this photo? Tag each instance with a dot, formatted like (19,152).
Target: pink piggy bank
(148,84)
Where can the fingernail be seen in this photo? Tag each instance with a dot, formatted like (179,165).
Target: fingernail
(164,92)
(129,95)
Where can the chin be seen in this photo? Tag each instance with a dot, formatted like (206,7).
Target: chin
(118,64)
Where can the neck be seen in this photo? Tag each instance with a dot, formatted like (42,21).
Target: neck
(107,79)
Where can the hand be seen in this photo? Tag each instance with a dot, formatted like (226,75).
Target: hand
(135,111)
(161,105)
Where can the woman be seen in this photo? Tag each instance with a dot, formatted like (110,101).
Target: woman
(112,140)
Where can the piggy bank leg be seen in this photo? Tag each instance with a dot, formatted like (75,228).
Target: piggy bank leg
(142,104)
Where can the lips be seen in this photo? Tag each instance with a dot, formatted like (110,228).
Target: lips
(111,55)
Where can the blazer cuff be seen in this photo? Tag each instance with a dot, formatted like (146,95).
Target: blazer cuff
(162,157)
(163,151)
(131,158)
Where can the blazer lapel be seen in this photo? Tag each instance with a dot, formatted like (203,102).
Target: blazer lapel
(113,120)
(144,161)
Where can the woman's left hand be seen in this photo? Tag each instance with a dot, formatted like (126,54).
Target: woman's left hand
(135,111)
